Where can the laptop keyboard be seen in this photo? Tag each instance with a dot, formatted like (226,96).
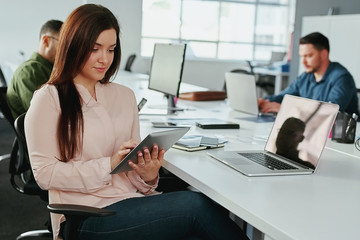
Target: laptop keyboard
(267,161)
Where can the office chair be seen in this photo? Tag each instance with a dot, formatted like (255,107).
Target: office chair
(267,82)
(18,165)
(74,214)
(6,114)
(2,79)
(22,180)
(130,62)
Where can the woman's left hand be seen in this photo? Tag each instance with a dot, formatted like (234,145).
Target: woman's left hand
(149,164)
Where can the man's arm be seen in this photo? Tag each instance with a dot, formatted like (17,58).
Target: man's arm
(342,91)
(266,106)
(272,103)
(292,89)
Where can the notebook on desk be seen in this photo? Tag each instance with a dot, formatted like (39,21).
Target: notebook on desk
(295,143)
(242,96)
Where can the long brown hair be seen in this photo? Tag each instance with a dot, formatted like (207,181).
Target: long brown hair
(77,38)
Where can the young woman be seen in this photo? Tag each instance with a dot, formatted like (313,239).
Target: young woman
(80,126)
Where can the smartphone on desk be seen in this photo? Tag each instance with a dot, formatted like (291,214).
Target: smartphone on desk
(141,104)
(168,125)
(217,124)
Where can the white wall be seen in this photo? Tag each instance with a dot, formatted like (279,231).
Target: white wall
(339,37)
(21,20)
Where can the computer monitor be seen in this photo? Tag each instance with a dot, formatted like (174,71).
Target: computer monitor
(166,71)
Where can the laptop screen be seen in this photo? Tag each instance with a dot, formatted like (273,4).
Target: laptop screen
(301,129)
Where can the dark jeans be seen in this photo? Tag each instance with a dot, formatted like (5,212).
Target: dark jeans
(174,215)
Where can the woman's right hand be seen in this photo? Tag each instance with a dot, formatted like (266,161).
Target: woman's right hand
(125,148)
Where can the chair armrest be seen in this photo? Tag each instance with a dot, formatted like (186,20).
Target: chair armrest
(74,214)
(79,210)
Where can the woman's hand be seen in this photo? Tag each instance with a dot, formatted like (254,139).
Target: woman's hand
(149,164)
(125,148)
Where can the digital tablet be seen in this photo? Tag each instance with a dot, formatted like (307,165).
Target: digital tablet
(164,140)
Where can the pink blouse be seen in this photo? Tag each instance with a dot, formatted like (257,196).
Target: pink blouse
(86,179)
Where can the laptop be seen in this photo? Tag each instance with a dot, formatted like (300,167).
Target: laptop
(242,96)
(295,143)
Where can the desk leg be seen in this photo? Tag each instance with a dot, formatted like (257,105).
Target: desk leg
(278,84)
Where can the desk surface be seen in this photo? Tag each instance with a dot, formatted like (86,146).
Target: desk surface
(324,205)
(345,148)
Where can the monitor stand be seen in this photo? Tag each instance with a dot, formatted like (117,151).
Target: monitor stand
(171,104)
(169,110)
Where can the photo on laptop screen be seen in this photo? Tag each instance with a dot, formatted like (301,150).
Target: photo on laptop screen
(295,143)
(301,131)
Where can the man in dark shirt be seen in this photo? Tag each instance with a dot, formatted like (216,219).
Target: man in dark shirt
(33,73)
(322,80)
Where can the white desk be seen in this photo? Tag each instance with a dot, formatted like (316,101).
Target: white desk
(279,75)
(346,148)
(324,205)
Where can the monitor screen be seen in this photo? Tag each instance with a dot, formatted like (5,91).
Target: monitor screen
(166,68)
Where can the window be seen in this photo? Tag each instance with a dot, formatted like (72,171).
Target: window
(231,30)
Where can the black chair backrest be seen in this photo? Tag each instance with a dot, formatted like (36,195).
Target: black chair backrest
(4,107)
(19,125)
(22,164)
(130,62)
(19,166)
(3,82)
(241,71)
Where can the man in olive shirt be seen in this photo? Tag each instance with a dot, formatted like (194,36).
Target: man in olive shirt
(33,73)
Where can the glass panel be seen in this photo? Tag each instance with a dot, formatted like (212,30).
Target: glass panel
(161,18)
(209,21)
(272,22)
(200,20)
(274,1)
(244,1)
(201,49)
(237,22)
(235,51)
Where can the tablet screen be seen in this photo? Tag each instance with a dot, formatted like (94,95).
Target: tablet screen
(164,140)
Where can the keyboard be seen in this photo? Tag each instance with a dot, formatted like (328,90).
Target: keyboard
(267,161)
